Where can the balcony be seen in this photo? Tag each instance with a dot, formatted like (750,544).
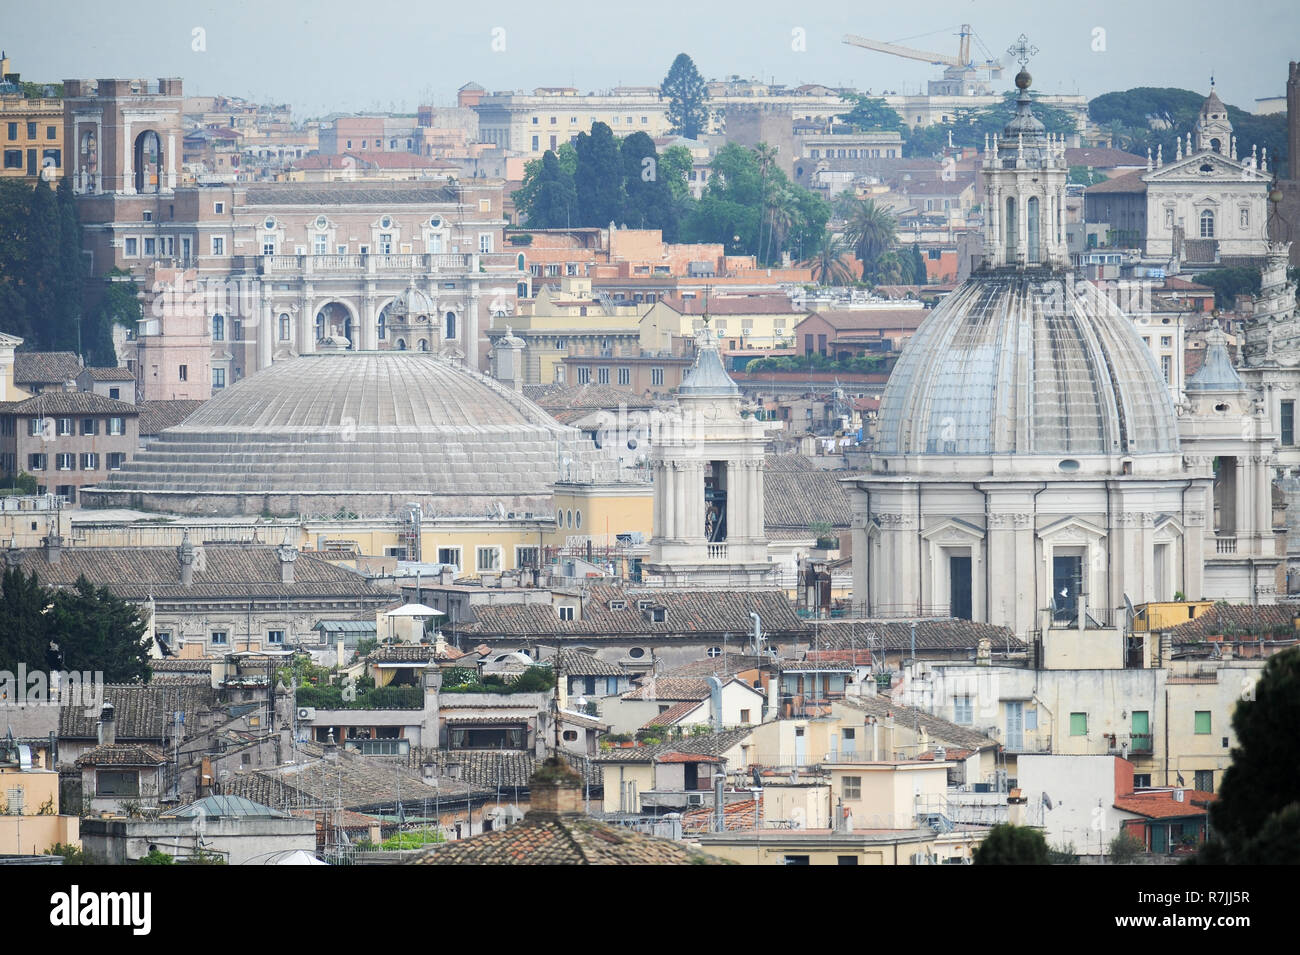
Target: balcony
(379,263)
(716,551)
(1225,545)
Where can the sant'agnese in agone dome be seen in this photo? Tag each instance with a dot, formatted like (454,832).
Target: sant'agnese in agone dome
(1031,469)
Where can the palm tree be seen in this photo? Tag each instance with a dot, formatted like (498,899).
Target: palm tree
(827,264)
(782,214)
(870,231)
(766,156)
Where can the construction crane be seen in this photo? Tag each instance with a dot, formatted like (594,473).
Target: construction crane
(960,70)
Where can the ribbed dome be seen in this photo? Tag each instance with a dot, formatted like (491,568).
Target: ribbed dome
(359,427)
(1026,364)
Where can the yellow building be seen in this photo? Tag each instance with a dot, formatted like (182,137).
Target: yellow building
(748,321)
(31,130)
(1162,615)
(29,796)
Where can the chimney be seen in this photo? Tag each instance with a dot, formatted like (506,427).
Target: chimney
(331,748)
(53,548)
(107,726)
(287,554)
(555,789)
(185,554)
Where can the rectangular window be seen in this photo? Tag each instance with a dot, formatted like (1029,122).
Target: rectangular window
(268,245)
(66,427)
(526,556)
(485,242)
(183,372)
(218,245)
(130,247)
(219,638)
(36,462)
(485,205)
(89,426)
(150,246)
(118,784)
(566,613)
(65,462)
(1288,423)
(218,208)
(218,377)
(90,462)
(488,558)
(13,159)
(1204,780)
(50,133)
(1203,723)
(13,130)
(1141,780)
(275,637)
(656,376)
(602,376)
(962,711)
(852,787)
(31,130)
(584,375)
(449,555)
(115,460)
(115,394)
(1078,724)
(625,376)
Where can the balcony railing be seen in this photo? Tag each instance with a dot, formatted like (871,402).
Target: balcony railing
(717,552)
(405,262)
(1225,545)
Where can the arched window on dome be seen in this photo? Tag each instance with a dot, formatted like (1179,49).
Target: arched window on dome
(1032,229)
(383,325)
(423,344)
(449,327)
(1009,226)
(1207,224)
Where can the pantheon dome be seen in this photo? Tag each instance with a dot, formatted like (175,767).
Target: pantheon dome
(360,432)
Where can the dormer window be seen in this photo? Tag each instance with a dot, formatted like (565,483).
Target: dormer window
(618,605)
(643,604)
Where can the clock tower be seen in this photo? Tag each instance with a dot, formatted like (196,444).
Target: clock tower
(707,461)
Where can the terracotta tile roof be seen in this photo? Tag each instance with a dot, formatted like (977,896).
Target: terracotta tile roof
(72,403)
(797,494)
(795,666)
(940,731)
(714,613)
(350,193)
(708,744)
(881,319)
(736,815)
(856,657)
(733,305)
(931,634)
(582,663)
(675,757)
(490,769)
(201,665)
(671,688)
(550,839)
(45,367)
(110,374)
(404,653)
(1101,157)
(1239,623)
(141,712)
(244,570)
(122,754)
(156,416)
(724,665)
(590,398)
(1128,183)
(674,713)
(1162,805)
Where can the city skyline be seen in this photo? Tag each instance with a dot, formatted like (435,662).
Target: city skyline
(403,56)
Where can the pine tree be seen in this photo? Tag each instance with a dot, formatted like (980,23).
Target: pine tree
(1012,845)
(598,181)
(648,201)
(555,204)
(72,273)
(683,87)
(43,269)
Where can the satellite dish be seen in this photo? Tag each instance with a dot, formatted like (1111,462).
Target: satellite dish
(1047,801)
(1129,612)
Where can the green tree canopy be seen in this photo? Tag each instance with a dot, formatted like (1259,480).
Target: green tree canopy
(598,180)
(1013,845)
(870,231)
(869,115)
(1256,818)
(688,98)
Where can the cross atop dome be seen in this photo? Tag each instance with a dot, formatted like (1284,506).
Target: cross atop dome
(1022,50)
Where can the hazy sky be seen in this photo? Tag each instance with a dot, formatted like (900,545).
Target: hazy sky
(364,54)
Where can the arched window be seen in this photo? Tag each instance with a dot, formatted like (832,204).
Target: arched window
(148,162)
(218,328)
(1009,226)
(520,261)
(320,325)
(1032,229)
(401,344)
(284,327)
(383,325)
(423,344)
(1207,224)
(1215,145)
(449,327)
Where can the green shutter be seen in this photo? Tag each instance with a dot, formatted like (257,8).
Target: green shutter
(1078,724)
(1203,722)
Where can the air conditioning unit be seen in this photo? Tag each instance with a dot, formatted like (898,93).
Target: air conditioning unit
(306,713)
(695,799)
